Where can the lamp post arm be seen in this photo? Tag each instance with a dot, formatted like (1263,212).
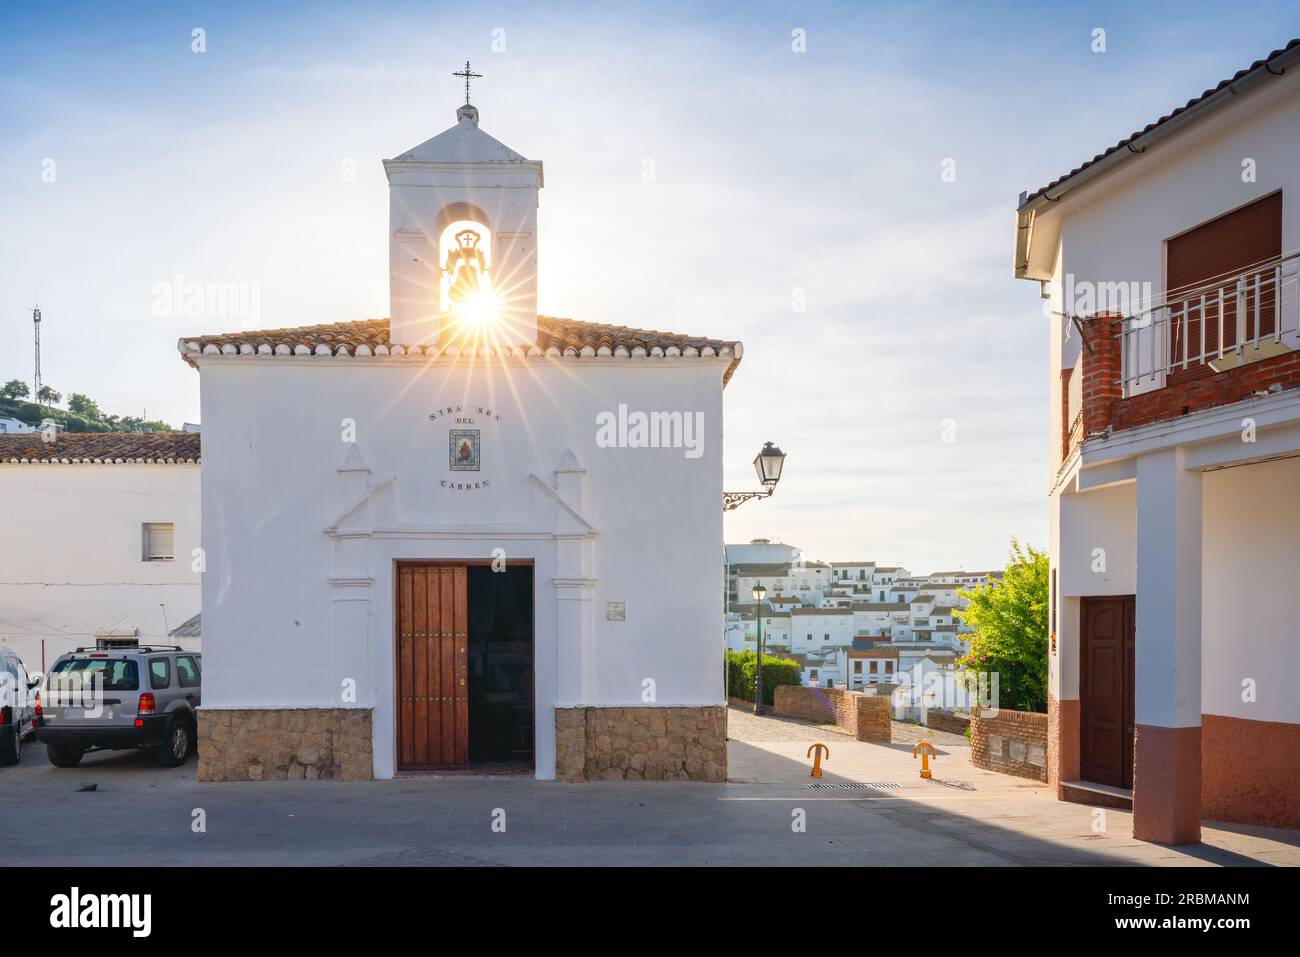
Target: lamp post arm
(733,500)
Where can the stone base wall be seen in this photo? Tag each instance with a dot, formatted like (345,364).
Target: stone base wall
(865,716)
(641,744)
(1010,742)
(263,744)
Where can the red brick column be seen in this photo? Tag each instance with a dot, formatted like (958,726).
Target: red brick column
(1101,371)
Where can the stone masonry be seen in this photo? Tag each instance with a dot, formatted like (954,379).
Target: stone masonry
(255,744)
(641,744)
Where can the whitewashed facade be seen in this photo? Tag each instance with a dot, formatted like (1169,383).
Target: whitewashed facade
(306,526)
(1175,441)
(74,567)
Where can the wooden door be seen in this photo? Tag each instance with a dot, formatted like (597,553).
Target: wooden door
(432,666)
(1107,689)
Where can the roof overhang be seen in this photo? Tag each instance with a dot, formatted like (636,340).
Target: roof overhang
(1132,147)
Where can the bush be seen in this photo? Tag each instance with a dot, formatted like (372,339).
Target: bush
(1010,623)
(776,672)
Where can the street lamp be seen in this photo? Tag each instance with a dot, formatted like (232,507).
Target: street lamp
(768,464)
(759,593)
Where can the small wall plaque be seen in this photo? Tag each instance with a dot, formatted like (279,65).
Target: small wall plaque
(616,610)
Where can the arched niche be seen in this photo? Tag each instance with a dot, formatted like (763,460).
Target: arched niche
(452,221)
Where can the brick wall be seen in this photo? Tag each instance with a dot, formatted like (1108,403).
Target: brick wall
(1010,742)
(946,721)
(1065,412)
(1101,371)
(866,717)
(1103,405)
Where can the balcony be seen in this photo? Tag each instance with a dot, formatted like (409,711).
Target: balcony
(1210,346)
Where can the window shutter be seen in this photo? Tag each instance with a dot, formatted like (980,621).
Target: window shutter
(158,541)
(1206,258)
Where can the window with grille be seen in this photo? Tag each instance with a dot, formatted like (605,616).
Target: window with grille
(158,542)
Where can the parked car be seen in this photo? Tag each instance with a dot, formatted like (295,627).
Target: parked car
(122,698)
(16,709)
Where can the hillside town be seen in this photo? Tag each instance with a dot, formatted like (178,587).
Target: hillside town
(850,624)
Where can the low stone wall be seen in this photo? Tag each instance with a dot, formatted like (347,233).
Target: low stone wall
(946,721)
(263,744)
(866,717)
(1010,742)
(641,744)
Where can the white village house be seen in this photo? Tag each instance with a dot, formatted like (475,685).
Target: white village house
(1170,262)
(475,534)
(99,532)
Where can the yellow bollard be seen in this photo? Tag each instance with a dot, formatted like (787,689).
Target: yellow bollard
(926,750)
(817,760)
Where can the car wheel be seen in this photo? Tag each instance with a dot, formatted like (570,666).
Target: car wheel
(63,757)
(175,745)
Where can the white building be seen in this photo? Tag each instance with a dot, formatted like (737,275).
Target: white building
(465,474)
(1170,263)
(12,426)
(813,628)
(871,666)
(100,533)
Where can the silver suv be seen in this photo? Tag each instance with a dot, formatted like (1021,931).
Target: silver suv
(143,697)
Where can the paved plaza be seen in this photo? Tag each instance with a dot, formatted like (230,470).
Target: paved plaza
(872,809)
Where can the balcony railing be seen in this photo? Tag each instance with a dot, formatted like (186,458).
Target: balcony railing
(1217,326)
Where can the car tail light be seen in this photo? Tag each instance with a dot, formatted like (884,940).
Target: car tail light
(39,712)
(146,704)
(4,715)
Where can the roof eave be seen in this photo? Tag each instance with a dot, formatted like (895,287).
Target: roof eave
(1135,146)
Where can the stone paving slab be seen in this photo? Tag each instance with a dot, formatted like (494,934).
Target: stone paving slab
(141,814)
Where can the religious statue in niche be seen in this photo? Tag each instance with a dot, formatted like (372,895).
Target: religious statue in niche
(465,267)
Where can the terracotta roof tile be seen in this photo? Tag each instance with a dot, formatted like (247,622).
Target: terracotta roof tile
(101,447)
(555,337)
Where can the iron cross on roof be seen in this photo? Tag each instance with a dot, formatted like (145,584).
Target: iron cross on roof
(467,75)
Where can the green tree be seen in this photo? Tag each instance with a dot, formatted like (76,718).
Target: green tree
(15,389)
(1010,623)
(48,397)
(84,406)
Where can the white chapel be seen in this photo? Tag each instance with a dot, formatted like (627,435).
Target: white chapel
(466,535)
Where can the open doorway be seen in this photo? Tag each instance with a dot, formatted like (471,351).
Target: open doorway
(501,665)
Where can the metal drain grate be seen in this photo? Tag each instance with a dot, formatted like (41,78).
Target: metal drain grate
(852,785)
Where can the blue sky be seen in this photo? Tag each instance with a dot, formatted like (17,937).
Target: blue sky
(777,174)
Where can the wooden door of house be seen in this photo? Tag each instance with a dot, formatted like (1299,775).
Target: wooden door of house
(1107,689)
(432,666)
